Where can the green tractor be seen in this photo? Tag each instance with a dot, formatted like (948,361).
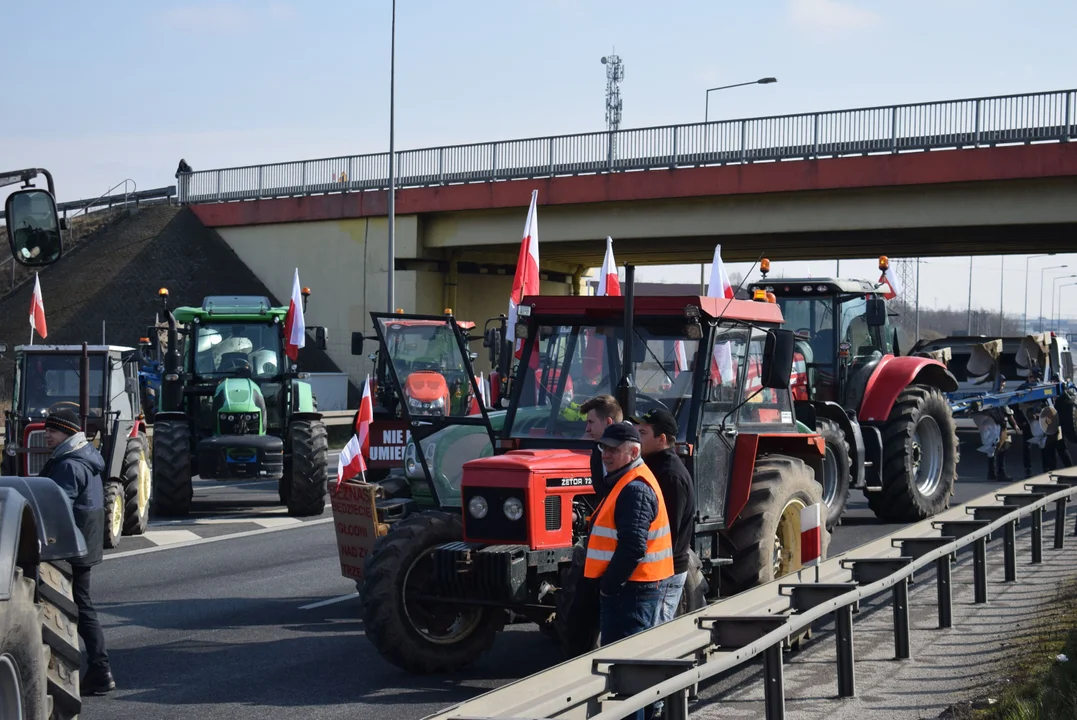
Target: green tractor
(234,406)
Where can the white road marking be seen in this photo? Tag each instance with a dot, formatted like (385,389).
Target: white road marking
(275,521)
(169,537)
(330,601)
(204,541)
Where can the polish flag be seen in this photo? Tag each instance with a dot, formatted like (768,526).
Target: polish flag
(811,535)
(37,312)
(352,460)
(680,358)
(720,287)
(608,283)
(526,281)
(295,330)
(890,281)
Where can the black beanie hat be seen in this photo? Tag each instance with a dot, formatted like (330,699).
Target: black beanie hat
(64,420)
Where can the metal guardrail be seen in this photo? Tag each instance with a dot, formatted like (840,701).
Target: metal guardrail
(108,201)
(972,122)
(668,661)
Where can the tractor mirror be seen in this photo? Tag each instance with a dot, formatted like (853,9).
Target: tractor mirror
(357,343)
(321,337)
(3,348)
(875,314)
(33,227)
(130,385)
(778,359)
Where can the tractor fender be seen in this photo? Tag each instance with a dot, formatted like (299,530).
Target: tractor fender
(41,505)
(748,447)
(303,398)
(851,429)
(893,375)
(121,429)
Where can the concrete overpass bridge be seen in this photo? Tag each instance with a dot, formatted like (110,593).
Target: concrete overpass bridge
(989,175)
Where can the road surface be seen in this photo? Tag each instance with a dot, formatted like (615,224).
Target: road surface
(242,613)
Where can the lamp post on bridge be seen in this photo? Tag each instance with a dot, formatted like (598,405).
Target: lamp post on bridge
(760,81)
(1042,271)
(392,168)
(1024,326)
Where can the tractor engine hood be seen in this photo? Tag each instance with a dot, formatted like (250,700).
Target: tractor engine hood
(240,407)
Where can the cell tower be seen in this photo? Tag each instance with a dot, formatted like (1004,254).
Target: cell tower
(615,73)
(905,270)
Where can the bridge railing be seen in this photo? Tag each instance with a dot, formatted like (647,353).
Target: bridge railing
(668,661)
(973,122)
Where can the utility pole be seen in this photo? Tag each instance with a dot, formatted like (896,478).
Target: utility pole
(970,295)
(917,298)
(1001,295)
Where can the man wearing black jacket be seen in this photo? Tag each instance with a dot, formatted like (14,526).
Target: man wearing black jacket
(600,412)
(658,434)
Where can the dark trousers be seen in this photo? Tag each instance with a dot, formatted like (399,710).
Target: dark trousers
(635,609)
(89,626)
(1055,455)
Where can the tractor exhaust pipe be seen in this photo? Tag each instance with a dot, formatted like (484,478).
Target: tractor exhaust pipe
(626,394)
(84,385)
(171,389)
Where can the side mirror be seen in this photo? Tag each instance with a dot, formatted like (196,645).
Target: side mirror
(3,348)
(357,343)
(778,359)
(33,227)
(321,337)
(875,314)
(130,385)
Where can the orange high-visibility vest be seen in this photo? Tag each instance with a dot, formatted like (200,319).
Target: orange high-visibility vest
(657,563)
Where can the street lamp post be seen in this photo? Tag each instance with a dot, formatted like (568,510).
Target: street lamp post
(760,81)
(392,167)
(1042,271)
(1054,290)
(1058,312)
(1024,326)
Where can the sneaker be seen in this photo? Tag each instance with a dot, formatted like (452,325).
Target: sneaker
(97,682)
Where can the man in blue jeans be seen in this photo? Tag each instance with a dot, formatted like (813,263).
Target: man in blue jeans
(630,548)
(658,435)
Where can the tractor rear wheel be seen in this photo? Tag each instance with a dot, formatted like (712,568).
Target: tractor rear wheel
(114,512)
(421,636)
(920,456)
(766,535)
(172,488)
(137,486)
(837,471)
(305,495)
(22,655)
(59,630)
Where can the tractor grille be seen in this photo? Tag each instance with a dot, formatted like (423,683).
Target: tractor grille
(495,526)
(239,423)
(35,461)
(553,512)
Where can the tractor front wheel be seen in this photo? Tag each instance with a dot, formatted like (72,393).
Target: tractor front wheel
(837,471)
(766,535)
(919,457)
(137,486)
(305,494)
(172,488)
(114,513)
(418,634)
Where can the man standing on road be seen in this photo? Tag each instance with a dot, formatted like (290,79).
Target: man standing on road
(76,466)
(658,434)
(600,412)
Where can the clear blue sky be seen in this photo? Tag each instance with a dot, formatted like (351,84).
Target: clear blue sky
(124,89)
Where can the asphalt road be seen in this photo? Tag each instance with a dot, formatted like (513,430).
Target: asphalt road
(218,625)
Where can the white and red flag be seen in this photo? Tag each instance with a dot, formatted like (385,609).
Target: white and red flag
(37,312)
(295,329)
(352,460)
(811,535)
(720,287)
(608,282)
(526,281)
(889,280)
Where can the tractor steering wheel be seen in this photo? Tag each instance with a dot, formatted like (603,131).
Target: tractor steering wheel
(55,407)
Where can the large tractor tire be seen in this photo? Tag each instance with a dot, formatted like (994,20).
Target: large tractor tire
(421,636)
(765,537)
(837,471)
(59,630)
(305,493)
(114,513)
(695,591)
(172,489)
(23,685)
(137,486)
(920,454)
(1067,415)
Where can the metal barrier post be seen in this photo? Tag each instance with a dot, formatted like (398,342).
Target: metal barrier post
(844,637)
(946,600)
(901,619)
(677,706)
(979,570)
(1010,551)
(1037,536)
(1060,523)
(775,682)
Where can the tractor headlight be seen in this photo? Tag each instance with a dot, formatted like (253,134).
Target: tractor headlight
(514,508)
(411,462)
(439,403)
(415,402)
(477,507)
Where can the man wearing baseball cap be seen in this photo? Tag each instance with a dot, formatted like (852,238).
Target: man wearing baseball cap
(76,466)
(658,435)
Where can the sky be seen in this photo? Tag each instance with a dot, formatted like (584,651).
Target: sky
(124,89)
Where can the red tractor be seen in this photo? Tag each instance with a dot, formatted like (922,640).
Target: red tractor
(887,424)
(439,584)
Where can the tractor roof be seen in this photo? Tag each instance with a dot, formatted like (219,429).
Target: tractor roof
(811,286)
(70,349)
(250,308)
(713,308)
(464,324)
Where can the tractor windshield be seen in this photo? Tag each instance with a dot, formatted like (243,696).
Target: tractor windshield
(569,364)
(222,349)
(429,367)
(49,382)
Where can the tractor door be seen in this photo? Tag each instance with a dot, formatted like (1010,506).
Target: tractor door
(428,365)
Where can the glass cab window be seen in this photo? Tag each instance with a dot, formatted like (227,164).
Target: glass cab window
(50,382)
(221,350)
(762,405)
(865,343)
